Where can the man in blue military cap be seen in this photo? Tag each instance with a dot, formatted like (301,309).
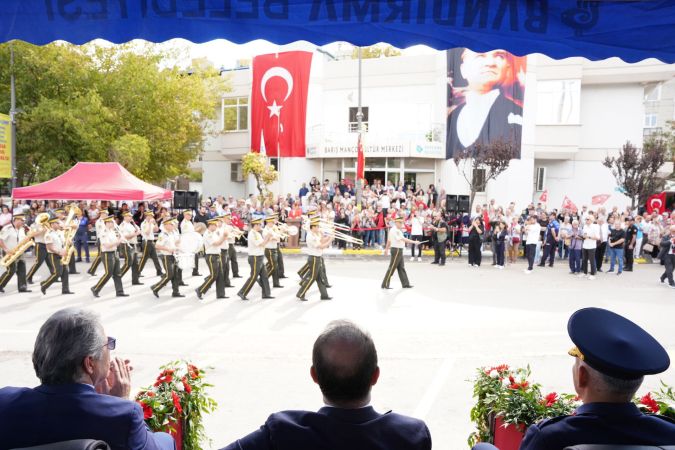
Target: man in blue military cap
(612,355)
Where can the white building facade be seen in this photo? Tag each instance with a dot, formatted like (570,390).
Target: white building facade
(576,113)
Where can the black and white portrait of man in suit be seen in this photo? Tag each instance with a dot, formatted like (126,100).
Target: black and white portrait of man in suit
(485,98)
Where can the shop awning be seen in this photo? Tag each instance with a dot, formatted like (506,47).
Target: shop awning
(630,30)
(93,181)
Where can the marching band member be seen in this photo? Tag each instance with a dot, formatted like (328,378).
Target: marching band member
(100,227)
(231,251)
(280,256)
(74,224)
(110,239)
(316,243)
(225,230)
(129,233)
(148,229)
(302,272)
(256,249)
(186,226)
(397,242)
(10,237)
(213,239)
(56,249)
(40,250)
(272,249)
(167,245)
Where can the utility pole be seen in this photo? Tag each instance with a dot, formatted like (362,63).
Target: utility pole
(12,116)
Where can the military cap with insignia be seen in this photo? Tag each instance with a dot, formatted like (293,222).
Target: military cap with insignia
(19,216)
(225,214)
(108,219)
(127,214)
(256,221)
(214,221)
(149,213)
(171,221)
(615,346)
(271,218)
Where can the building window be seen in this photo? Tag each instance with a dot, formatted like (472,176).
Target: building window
(235,114)
(650,120)
(236,175)
(653,93)
(541,179)
(649,132)
(479,179)
(274,162)
(558,102)
(354,122)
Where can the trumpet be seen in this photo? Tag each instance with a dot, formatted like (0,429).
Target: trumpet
(69,233)
(236,232)
(338,226)
(26,242)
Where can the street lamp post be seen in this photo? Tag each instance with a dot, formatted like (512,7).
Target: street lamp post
(12,118)
(358,183)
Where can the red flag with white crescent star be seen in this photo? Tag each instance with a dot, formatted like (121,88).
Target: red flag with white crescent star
(279,103)
(544,196)
(360,160)
(567,204)
(599,199)
(656,201)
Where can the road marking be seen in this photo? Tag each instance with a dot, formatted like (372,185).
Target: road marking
(429,397)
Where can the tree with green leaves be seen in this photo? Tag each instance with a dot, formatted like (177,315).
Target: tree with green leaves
(494,158)
(258,166)
(636,170)
(106,103)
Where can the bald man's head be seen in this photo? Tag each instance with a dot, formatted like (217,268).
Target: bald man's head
(344,362)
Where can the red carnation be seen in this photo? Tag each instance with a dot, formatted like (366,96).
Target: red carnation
(650,403)
(147,410)
(193,371)
(176,402)
(186,385)
(550,399)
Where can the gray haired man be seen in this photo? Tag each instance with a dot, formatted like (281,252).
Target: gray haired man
(72,360)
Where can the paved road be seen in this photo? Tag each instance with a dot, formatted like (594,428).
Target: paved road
(430,339)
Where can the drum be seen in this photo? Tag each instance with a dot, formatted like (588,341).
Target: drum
(190,244)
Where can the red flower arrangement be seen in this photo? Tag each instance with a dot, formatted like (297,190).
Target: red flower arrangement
(660,402)
(176,403)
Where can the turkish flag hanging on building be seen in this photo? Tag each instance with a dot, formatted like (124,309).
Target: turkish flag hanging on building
(544,196)
(360,160)
(567,204)
(599,199)
(656,201)
(279,103)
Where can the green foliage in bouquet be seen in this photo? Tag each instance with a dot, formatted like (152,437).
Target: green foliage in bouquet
(507,393)
(178,396)
(658,402)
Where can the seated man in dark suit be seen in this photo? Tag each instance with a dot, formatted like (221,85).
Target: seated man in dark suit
(83,395)
(612,355)
(344,365)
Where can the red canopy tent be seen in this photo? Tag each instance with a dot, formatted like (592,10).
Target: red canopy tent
(93,181)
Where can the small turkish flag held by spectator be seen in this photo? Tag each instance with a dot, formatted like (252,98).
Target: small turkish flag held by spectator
(567,204)
(656,201)
(279,103)
(599,199)
(544,196)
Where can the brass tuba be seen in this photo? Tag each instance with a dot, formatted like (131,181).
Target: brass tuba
(69,233)
(26,242)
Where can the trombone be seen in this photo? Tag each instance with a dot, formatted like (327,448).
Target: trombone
(329,229)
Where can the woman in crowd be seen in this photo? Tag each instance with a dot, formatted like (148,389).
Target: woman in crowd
(416,234)
(5,216)
(514,239)
(500,235)
(476,231)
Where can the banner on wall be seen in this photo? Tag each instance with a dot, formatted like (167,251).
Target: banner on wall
(5,146)
(485,98)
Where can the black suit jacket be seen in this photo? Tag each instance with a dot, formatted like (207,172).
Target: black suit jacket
(496,126)
(337,429)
